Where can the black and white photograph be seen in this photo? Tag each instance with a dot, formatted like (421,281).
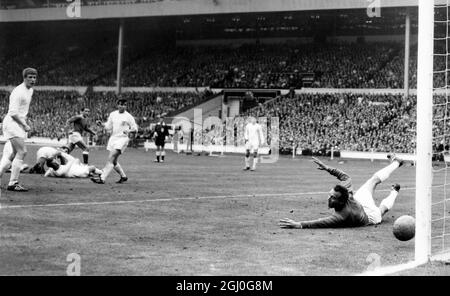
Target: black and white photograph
(224,143)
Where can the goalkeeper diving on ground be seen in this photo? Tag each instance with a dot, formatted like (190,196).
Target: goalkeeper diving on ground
(352,209)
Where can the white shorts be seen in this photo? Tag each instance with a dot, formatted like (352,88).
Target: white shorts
(12,129)
(252,146)
(78,170)
(365,198)
(117,143)
(75,137)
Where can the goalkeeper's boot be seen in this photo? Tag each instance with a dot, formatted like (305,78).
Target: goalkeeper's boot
(392,157)
(396,187)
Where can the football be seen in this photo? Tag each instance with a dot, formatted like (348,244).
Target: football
(404,228)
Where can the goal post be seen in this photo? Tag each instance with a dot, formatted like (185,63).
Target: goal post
(433,133)
(424,130)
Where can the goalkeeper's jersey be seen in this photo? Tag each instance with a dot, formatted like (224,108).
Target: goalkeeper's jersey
(351,215)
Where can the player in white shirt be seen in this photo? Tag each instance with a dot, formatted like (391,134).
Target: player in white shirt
(15,128)
(120,123)
(45,155)
(72,168)
(254,138)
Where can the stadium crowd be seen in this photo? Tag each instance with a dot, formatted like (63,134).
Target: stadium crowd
(343,65)
(50,110)
(261,66)
(315,123)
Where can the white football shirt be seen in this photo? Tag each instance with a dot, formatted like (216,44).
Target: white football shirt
(19,101)
(253,133)
(119,122)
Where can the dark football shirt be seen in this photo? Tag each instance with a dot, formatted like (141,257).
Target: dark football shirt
(80,124)
(162,131)
(351,215)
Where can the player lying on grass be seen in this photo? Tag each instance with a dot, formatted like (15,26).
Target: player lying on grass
(47,155)
(73,168)
(352,209)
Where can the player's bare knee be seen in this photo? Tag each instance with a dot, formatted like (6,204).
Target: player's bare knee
(247,153)
(113,159)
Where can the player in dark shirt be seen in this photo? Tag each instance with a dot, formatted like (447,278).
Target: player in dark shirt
(160,134)
(352,210)
(80,125)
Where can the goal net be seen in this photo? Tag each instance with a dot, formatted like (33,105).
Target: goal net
(433,133)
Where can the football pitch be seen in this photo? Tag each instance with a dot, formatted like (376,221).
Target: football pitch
(196,215)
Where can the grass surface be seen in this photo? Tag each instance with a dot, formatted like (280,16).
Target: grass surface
(195,215)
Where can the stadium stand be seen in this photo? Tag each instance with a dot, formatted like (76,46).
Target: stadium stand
(83,59)
(312,122)
(263,66)
(317,122)
(249,66)
(50,109)
(20,4)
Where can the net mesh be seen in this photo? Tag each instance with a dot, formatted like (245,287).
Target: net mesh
(440,223)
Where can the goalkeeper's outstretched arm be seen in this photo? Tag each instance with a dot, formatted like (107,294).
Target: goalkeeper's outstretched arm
(333,221)
(345,179)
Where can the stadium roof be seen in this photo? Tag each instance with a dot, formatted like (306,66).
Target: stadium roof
(41,10)
(348,22)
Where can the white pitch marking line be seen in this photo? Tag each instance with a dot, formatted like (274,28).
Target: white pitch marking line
(118,202)
(386,270)
(155,200)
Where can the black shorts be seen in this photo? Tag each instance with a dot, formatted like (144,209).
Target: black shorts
(160,142)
